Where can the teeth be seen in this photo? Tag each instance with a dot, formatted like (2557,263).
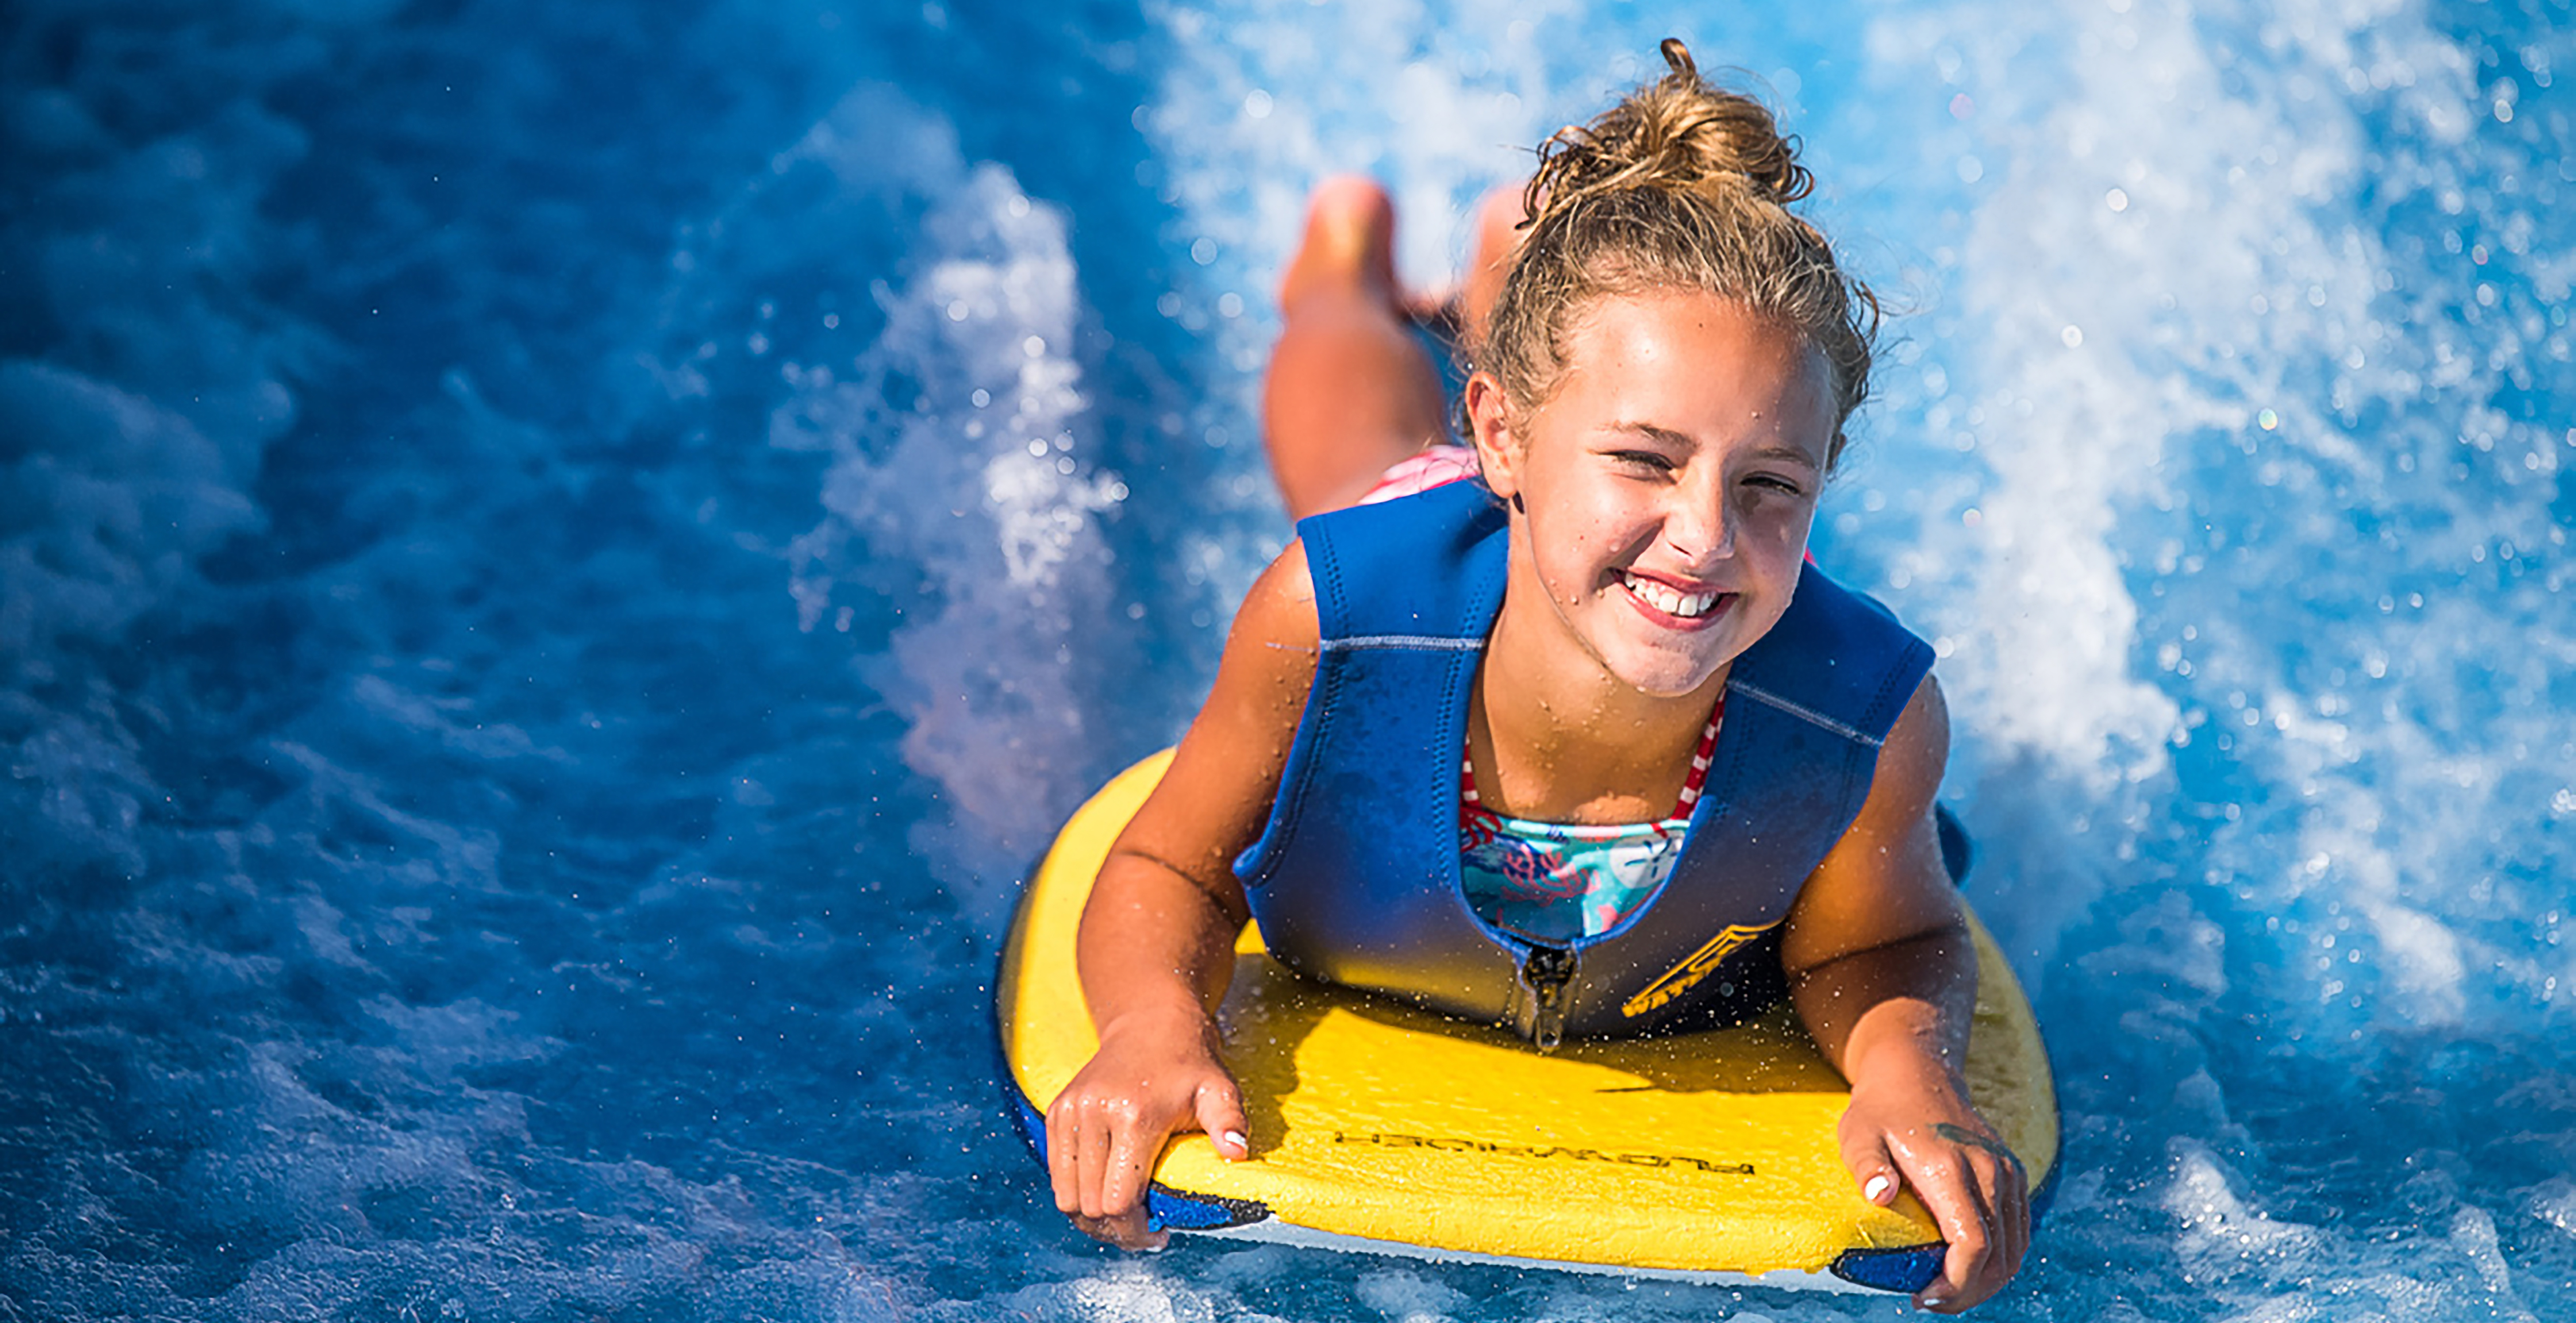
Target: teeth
(1670,600)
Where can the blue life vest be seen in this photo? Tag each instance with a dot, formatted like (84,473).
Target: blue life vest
(1355,878)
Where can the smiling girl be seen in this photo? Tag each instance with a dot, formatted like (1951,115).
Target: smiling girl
(1561,733)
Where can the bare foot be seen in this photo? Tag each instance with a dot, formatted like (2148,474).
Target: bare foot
(1348,250)
(1350,390)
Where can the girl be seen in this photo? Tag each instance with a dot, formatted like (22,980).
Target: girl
(1577,744)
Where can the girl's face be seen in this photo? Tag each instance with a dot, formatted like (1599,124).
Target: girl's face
(1665,488)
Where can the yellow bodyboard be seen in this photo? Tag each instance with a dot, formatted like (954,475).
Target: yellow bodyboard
(1707,1154)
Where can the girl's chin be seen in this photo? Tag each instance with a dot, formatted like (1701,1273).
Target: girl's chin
(1665,677)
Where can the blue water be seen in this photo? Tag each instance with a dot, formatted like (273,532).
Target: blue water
(557,560)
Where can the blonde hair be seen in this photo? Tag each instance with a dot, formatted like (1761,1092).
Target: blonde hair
(1680,185)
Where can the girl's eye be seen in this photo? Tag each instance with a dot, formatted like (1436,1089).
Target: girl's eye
(1642,459)
(1775,483)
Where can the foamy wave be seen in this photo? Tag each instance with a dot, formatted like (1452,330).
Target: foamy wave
(981,483)
(1441,106)
(2207,407)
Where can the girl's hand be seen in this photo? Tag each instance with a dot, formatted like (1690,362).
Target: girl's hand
(1157,1073)
(1156,947)
(1913,1129)
(1884,971)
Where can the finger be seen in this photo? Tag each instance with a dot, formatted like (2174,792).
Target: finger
(1061,1177)
(2014,1213)
(1091,1162)
(1133,1147)
(1976,1275)
(1131,1232)
(1220,1113)
(1865,1156)
(2002,1188)
(1957,1207)
(1879,1180)
(1992,1186)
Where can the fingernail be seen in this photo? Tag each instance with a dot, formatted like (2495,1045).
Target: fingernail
(1876,1189)
(1234,1140)
(1935,1301)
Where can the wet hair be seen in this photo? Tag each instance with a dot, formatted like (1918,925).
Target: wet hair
(1681,185)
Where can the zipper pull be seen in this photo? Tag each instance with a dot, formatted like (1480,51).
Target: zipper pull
(1546,973)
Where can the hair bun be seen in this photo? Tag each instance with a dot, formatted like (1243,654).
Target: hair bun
(1680,186)
(1678,57)
(1679,134)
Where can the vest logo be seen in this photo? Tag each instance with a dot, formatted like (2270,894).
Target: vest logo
(1694,967)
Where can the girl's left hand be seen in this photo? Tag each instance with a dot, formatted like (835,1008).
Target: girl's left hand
(1915,1130)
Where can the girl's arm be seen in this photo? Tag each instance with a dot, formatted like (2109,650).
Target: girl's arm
(1156,946)
(1883,972)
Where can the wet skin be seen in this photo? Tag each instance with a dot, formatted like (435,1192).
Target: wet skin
(1665,490)
(1677,460)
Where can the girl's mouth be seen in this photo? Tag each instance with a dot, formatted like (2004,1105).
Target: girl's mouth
(1671,601)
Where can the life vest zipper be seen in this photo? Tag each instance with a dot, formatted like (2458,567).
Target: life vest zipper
(1545,973)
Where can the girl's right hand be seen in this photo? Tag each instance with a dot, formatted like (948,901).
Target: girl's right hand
(1157,1073)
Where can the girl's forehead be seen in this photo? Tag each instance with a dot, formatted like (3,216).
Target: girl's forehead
(1691,352)
(1670,311)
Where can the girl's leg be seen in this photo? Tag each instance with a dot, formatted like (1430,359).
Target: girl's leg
(1350,391)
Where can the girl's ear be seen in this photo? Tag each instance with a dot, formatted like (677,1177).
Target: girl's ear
(1498,449)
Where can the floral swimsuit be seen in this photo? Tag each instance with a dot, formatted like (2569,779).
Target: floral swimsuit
(1556,882)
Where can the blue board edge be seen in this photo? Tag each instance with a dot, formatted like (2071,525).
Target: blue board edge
(1912,1267)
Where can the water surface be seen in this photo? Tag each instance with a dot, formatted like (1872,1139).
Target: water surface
(557,562)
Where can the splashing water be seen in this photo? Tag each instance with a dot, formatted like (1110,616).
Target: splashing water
(554,568)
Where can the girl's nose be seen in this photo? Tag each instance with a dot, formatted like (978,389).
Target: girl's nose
(1698,524)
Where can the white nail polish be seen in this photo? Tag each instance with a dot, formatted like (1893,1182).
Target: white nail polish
(1877,1187)
(1234,1140)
